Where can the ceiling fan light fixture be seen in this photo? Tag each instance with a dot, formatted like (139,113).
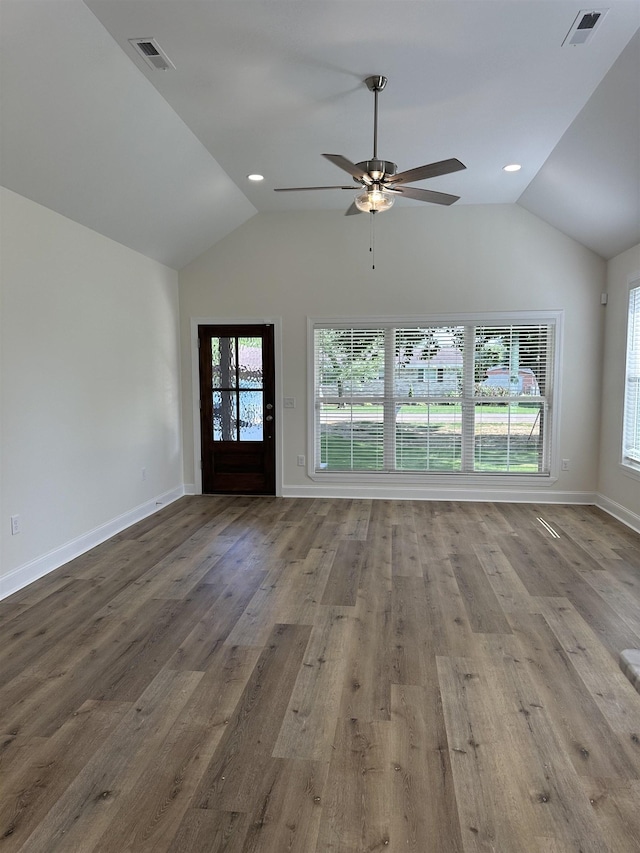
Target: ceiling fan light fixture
(374,201)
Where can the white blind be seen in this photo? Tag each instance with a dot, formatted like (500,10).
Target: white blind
(433,398)
(631,433)
(511,359)
(428,393)
(350,393)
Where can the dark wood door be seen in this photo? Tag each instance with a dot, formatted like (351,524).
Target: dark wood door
(237,409)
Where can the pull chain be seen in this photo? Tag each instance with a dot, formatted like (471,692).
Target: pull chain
(372,245)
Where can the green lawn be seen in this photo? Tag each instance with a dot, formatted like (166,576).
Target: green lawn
(422,448)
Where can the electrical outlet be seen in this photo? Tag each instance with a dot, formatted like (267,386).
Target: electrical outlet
(15,525)
(565,464)
(144,474)
(301,461)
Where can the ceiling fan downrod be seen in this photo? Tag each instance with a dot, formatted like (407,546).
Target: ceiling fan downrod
(375,84)
(377,168)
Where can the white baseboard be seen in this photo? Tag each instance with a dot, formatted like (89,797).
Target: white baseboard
(29,572)
(438,493)
(618,511)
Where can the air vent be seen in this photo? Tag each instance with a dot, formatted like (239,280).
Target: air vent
(152,53)
(584,26)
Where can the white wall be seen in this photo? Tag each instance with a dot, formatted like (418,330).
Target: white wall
(89,387)
(619,490)
(428,260)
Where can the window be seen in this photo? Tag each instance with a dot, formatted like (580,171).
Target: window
(631,431)
(462,397)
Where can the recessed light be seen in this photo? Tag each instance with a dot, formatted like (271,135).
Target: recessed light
(256,177)
(512,167)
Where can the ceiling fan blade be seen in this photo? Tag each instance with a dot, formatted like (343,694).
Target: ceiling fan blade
(342,163)
(352,209)
(304,189)
(430,170)
(423,195)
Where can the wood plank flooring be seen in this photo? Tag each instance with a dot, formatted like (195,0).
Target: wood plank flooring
(267,675)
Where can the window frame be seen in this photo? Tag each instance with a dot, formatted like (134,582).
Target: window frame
(630,465)
(432,478)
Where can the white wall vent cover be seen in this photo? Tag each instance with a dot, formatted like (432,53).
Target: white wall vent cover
(584,26)
(152,53)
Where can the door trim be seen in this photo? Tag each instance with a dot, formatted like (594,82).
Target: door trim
(276,322)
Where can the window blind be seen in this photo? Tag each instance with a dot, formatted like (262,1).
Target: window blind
(463,398)
(631,432)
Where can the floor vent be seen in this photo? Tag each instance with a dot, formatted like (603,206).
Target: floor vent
(548,528)
(152,53)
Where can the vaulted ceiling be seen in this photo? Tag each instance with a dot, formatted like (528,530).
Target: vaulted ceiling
(158,160)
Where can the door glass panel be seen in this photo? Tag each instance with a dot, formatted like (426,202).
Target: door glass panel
(225,416)
(223,362)
(250,363)
(251,415)
(236,364)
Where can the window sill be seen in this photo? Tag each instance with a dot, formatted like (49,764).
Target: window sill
(423,479)
(630,470)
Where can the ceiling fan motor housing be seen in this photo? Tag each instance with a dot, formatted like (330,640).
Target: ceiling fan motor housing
(377,169)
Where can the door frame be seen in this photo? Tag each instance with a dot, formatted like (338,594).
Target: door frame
(276,322)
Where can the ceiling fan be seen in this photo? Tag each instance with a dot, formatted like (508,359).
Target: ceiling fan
(378,178)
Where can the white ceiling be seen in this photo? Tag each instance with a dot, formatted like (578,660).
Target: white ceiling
(158,160)
(589,187)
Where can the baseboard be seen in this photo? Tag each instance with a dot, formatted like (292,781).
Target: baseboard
(29,572)
(361,491)
(619,512)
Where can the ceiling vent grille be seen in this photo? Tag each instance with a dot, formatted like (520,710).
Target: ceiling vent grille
(152,53)
(584,26)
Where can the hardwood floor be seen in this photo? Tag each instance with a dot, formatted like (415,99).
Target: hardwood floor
(267,675)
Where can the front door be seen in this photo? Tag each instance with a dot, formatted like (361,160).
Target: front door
(237,396)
